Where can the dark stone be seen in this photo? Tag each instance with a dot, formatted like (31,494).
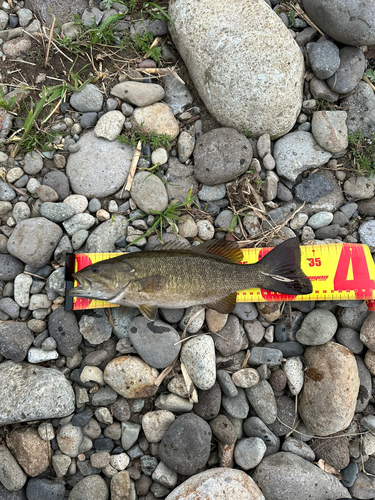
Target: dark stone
(349,473)
(80,419)
(185,447)
(121,410)
(148,464)
(209,402)
(330,231)
(281,334)
(104,444)
(288,349)
(45,489)
(222,428)
(15,340)
(13,20)
(10,267)
(12,495)
(334,451)
(367,207)
(313,188)
(75,376)
(63,327)
(89,119)
(59,182)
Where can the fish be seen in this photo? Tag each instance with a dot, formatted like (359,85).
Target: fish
(173,276)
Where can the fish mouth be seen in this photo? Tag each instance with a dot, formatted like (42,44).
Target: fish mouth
(83,288)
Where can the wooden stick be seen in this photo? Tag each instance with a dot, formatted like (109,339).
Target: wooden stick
(133,167)
(49,42)
(367,80)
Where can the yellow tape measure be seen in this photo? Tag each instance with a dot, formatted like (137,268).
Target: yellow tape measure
(337,271)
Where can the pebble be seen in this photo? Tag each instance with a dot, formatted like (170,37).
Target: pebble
(198,356)
(36,355)
(220,156)
(299,448)
(69,438)
(350,71)
(95,327)
(219,483)
(265,355)
(262,399)
(63,327)
(156,423)
(249,452)
(324,58)
(137,93)
(237,406)
(15,340)
(320,219)
(293,369)
(158,117)
(87,100)
(173,403)
(212,193)
(90,487)
(255,427)
(226,383)
(342,388)
(329,130)
(56,212)
(131,377)
(12,476)
(149,192)
(317,328)
(185,447)
(109,125)
(247,377)
(177,95)
(33,163)
(229,338)
(284,472)
(305,153)
(209,401)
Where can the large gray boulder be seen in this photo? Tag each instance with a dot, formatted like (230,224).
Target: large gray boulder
(245,65)
(346,21)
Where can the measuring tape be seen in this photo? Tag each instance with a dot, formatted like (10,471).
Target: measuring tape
(343,271)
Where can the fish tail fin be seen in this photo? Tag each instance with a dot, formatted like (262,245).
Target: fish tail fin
(280,270)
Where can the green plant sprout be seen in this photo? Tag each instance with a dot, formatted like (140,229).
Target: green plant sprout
(170,215)
(370,73)
(153,139)
(143,44)
(363,151)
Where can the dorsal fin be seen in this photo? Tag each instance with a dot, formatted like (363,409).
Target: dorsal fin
(224,305)
(171,245)
(228,250)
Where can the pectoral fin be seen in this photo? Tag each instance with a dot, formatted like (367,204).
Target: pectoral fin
(148,312)
(150,284)
(225,305)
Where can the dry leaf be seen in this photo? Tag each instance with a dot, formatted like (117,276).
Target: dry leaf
(328,468)
(40,78)
(193,395)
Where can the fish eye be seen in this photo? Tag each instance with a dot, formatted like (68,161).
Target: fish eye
(95,269)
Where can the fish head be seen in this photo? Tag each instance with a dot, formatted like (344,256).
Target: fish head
(104,280)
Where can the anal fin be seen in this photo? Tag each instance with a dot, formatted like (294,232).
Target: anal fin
(148,312)
(224,305)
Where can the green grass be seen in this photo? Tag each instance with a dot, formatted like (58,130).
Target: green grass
(143,44)
(363,151)
(370,73)
(7,104)
(153,139)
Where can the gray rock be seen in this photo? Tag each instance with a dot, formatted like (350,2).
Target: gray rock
(350,339)
(262,399)
(154,341)
(10,307)
(6,192)
(36,393)
(265,356)
(365,385)
(321,90)
(56,212)
(34,240)
(62,11)
(360,107)
(255,427)
(226,383)
(185,447)
(24,16)
(328,201)
(78,222)
(103,238)
(90,487)
(98,167)
(236,406)
(3,20)
(209,401)
(222,87)
(22,285)
(64,247)
(318,327)
(320,219)
(288,477)
(329,130)
(63,327)
(149,192)
(324,58)
(95,327)
(88,99)
(363,486)
(299,448)
(212,193)
(10,267)
(228,341)
(198,356)
(56,282)
(353,317)
(296,152)
(33,163)
(350,71)
(246,311)
(180,180)
(59,182)
(15,340)
(109,125)
(221,155)
(21,211)
(11,475)
(138,93)
(345,22)
(177,95)
(249,452)
(44,488)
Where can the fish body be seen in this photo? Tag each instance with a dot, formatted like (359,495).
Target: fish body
(174,276)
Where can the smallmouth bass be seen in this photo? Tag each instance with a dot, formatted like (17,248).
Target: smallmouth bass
(176,276)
